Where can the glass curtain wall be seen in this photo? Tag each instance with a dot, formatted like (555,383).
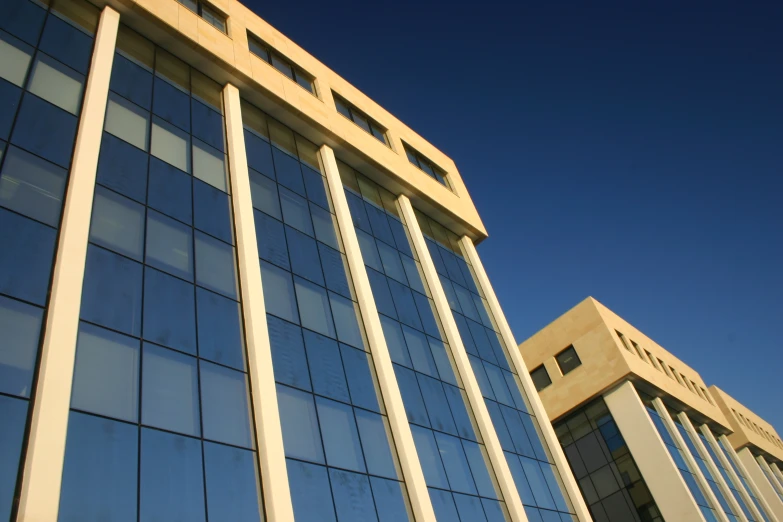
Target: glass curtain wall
(608,477)
(676,453)
(742,478)
(461,481)
(45,55)
(341,462)
(691,447)
(536,477)
(160,424)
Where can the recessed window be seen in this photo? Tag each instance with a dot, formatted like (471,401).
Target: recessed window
(652,359)
(568,360)
(676,375)
(428,167)
(638,350)
(665,368)
(291,71)
(623,340)
(540,378)
(367,124)
(211,15)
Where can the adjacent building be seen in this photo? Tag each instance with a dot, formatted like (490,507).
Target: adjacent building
(234,288)
(646,438)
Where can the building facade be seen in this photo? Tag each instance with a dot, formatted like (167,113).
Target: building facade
(645,437)
(233,288)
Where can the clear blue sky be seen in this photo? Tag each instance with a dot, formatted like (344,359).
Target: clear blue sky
(632,153)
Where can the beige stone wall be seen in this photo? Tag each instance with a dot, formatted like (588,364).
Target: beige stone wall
(743,434)
(592,329)
(226,58)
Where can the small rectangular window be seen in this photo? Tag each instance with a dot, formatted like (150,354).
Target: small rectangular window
(676,375)
(210,15)
(425,165)
(367,124)
(638,350)
(664,367)
(685,382)
(568,360)
(281,63)
(540,378)
(623,340)
(652,360)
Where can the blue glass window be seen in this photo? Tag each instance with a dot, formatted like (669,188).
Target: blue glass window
(208,125)
(340,435)
(111,296)
(279,292)
(215,266)
(352,496)
(171,104)
(314,307)
(310,492)
(289,359)
(169,311)
(328,376)
(264,193)
(232,488)
(14,415)
(45,130)
(21,327)
(212,210)
(170,191)
(170,391)
(67,44)
(123,168)
(220,335)
(301,436)
(169,246)
(131,81)
(225,406)
(117,223)
(24,20)
(32,186)
(304,256)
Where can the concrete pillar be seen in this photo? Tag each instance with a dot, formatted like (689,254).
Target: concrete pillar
(387,380)
(712,467)
(494,451)
(269,434)
(662,477)
(767,491)
(776,470)
(770,475)
(528,388)
(40,493)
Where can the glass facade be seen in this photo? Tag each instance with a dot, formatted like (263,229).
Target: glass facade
(160,424)
(608,477)
(44,60)
(342,464)
(743,479)
(457,471)
(537,479)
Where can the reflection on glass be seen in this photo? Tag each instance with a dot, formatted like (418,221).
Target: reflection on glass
(300,425)
(225,407)
(117,223)
(56,83)
(127,121)
(232,486)
(20,325)
(32,186)
(170,391)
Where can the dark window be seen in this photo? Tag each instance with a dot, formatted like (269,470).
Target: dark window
(280,63)
(540,378)
(568,360)
(212,16)
(427,166)
(367,124)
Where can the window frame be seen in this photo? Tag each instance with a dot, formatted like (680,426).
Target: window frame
(538,371)
(373,127)
(432,170)
(570,348)
(212,12)
(270,54)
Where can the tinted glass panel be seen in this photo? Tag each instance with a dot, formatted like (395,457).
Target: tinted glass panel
(21,327)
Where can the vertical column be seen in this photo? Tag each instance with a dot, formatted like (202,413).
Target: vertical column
(694,467)
(754,472)
(548,431)
(269,434)
(398,420)
(770,474)
(656,465)
(732,474)
(776,470)
(711,466)
(40,492)
(483,420)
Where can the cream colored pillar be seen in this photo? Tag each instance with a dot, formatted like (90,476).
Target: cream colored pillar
(550,439)
(770,475)
(395,409)
(662,477)
(689,460)
(738,485)
(712,467)
(776,470)
(43,468)
(269,434)
(766,490)
(480,412)
(769,509)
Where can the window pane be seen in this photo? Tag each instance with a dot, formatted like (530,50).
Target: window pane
(257,48)
(66,43)
(172,485)
(324,225)
(45,130)
(212,212)
(443,504)
(169,102)
(224,403)
(169,391)
(341,439)
(537,483)
(361,121)
(270,236)
(361,379)
(289,171)
(32,186)
(310,492)
(328,376)
(130,80)
(106,376)
(403,302)
(314,307)
(296,212)
(56,83)
(478,461)
(209,165)
(14,415)
(127,121)
(15,58)
(25,21)
(215,266)
(469,508)
(369,251)
(169,311)
(411,396)
(431,464)
(390,500)
(436,403)
(9,102)
(170,191)
(233,491)
(419,348)
(264,192)
(301,437)
(279,292)
(375,441)
(170,144)
(304,256)
(112,291)
(352,496)
(395,341)
(342,107)
(289,360)
(169,246)
(282,66)
(117,223)
(459,412)
(220,336)
(100,472)
(123,168)
(304,82)
(335,265)
(20,325)
(208,123)
(213,18)
(568,360)
(345,314)
(259,155)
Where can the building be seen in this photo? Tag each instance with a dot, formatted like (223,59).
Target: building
(232,287)
(645,437)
